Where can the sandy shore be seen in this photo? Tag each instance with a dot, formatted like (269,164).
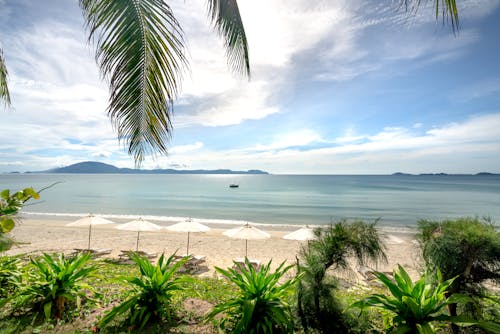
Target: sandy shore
(53,235)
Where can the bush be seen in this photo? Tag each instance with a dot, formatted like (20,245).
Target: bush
(153,288)
(53,282)
(468,248)
(261,303)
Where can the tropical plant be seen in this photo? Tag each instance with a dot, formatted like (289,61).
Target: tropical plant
(10,204)
(417,305)
(317,304)
(153,288)
(261,303)
(9,276)
(468,248)
(53,282)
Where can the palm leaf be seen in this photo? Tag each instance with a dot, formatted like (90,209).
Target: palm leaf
(447,9)
(226,18)
(140,49)
(4,89)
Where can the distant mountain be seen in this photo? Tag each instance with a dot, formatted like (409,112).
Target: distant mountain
(93,167)
(444,174)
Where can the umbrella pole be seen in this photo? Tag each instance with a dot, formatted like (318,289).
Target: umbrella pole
(90,231)
(246,247)
(137,243)
(187,249)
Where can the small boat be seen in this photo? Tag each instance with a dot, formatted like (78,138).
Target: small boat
(232,185)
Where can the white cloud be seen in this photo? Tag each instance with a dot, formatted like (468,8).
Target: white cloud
(301,138)
(248,101)
(186,148)
(447,148)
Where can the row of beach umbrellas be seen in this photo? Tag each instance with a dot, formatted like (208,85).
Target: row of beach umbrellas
(246,232)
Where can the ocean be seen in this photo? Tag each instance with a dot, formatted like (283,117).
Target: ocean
(399,201)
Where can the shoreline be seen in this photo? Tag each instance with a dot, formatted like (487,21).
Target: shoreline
(213,223)
(49,235)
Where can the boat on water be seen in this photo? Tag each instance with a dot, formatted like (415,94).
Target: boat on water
(233,185)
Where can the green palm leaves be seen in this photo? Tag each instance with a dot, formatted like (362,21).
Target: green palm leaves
(4,89)
(447,9)
(153,291)
(260,306)
(140,49)
(226,18)
(55,281)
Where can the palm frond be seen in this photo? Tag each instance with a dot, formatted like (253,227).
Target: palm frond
(4,89)
(447,9)
(140,49)
(226,18)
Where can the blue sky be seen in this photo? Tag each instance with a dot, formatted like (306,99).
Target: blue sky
(337,87)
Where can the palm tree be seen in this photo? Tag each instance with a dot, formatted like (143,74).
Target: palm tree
(330,251)
(140,50)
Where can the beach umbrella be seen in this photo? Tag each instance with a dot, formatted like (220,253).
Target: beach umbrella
(302,234)
(247,232)
(89,221)
(188,226)
(139,226)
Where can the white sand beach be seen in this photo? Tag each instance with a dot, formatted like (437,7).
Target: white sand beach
(50,235)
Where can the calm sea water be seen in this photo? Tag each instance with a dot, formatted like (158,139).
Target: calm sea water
(399,200)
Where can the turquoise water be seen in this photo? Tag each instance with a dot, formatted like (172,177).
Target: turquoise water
(399,200)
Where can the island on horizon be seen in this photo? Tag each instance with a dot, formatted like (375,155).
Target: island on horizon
(94,167)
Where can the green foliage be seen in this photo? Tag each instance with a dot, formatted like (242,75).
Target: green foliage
(53,282)
(447,9)
(415,305)
(317,304)
(9,276)
(140,49)
(153,288)
(466,247)
(4,89)
(10,204)
(260,305)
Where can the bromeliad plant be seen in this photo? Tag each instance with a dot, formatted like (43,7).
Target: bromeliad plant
(53,282)
(416,305)
(153,292)
(261,305)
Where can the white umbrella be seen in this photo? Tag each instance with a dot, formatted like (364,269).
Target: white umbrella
(89,221)
(188,226)
(139,226)
(247,232)
(302,234)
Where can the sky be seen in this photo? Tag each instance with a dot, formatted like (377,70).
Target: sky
(337,87)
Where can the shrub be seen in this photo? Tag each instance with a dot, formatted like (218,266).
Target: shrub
(468,248)
(9,277)
(10,204)
(153,288)
(415,306)
(261,303)
(53,282)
